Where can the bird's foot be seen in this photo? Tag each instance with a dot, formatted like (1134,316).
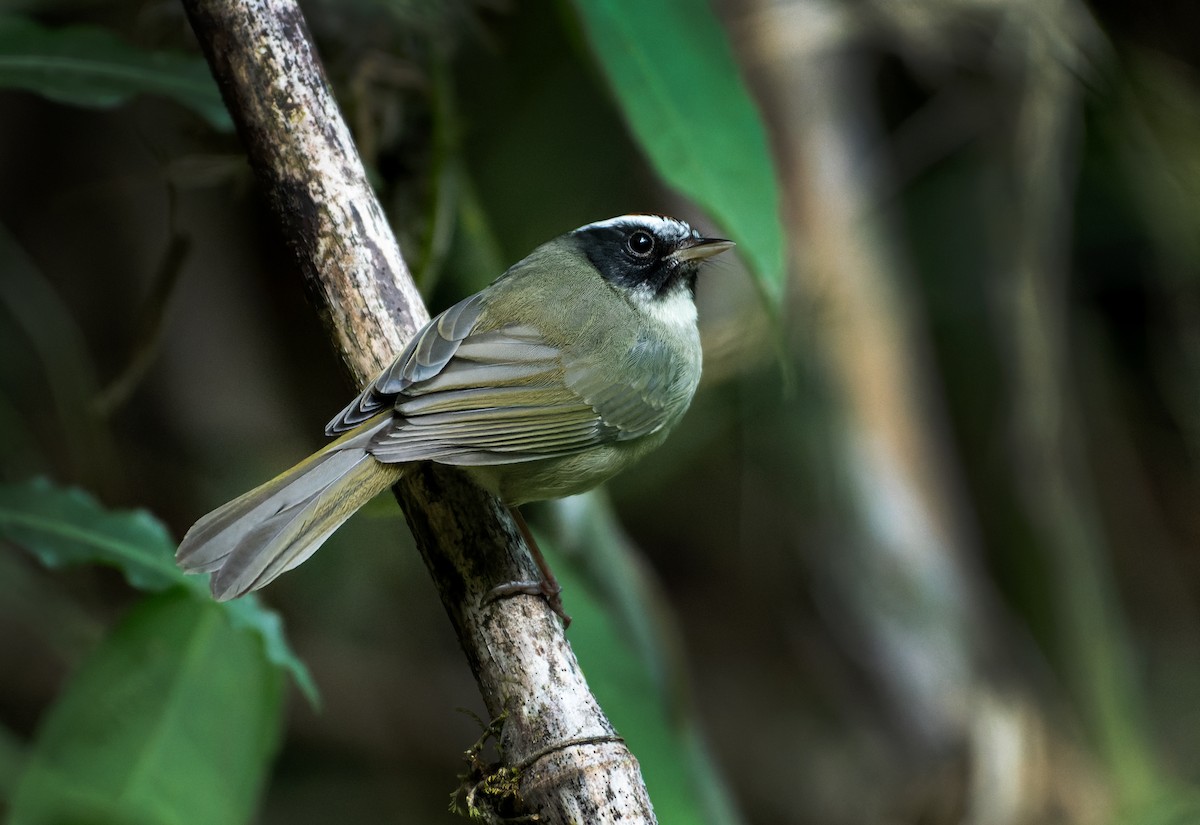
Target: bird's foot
(550,591)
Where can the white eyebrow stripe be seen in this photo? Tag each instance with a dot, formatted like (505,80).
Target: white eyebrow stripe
(660,226)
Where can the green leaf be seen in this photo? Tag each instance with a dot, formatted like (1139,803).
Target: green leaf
(67,526)
(174,719)
(674,77)
(632,662)
(89,66)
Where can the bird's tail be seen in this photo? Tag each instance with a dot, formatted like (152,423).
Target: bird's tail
(252,539)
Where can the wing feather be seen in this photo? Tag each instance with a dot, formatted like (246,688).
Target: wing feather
(425,356)
(466,394)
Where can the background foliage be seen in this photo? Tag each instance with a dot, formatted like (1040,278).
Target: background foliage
(924,550)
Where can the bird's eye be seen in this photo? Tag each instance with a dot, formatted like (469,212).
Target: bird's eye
(641,243)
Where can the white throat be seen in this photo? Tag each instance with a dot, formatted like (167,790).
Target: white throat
(676,310)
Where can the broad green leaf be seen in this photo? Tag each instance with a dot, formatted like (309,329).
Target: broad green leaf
(89,66)
(67,526)
(174,719)
(674,77)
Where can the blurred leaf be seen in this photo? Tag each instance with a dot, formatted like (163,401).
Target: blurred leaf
(12,761)
(586,529)
(174,719)
(660,731)
(89,66)
(674,76)
(58,348)
(1171,806)
(67,526)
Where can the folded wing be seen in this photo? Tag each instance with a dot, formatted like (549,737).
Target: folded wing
(466,395)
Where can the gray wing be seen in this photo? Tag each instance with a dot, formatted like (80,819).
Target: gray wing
(425,356)
(498,396)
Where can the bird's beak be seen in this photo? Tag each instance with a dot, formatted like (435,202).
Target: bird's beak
(698,249)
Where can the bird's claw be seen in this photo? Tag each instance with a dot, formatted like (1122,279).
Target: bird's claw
(552,593)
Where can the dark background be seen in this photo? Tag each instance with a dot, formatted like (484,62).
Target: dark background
(971,586)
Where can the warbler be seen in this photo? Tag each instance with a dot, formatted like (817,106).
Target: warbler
(568,368)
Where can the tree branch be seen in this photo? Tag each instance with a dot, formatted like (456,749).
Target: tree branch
(570,765)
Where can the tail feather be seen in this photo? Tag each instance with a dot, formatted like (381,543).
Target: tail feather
(271,529)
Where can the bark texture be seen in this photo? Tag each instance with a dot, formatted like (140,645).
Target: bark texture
(564,759)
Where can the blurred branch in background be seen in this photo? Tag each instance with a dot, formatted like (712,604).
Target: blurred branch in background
(913,586)
(1048,423)
(853,281)
(907,593)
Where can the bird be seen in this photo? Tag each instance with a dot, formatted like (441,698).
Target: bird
(571,366)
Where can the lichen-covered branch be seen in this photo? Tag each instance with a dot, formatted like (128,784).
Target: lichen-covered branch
(569,764)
